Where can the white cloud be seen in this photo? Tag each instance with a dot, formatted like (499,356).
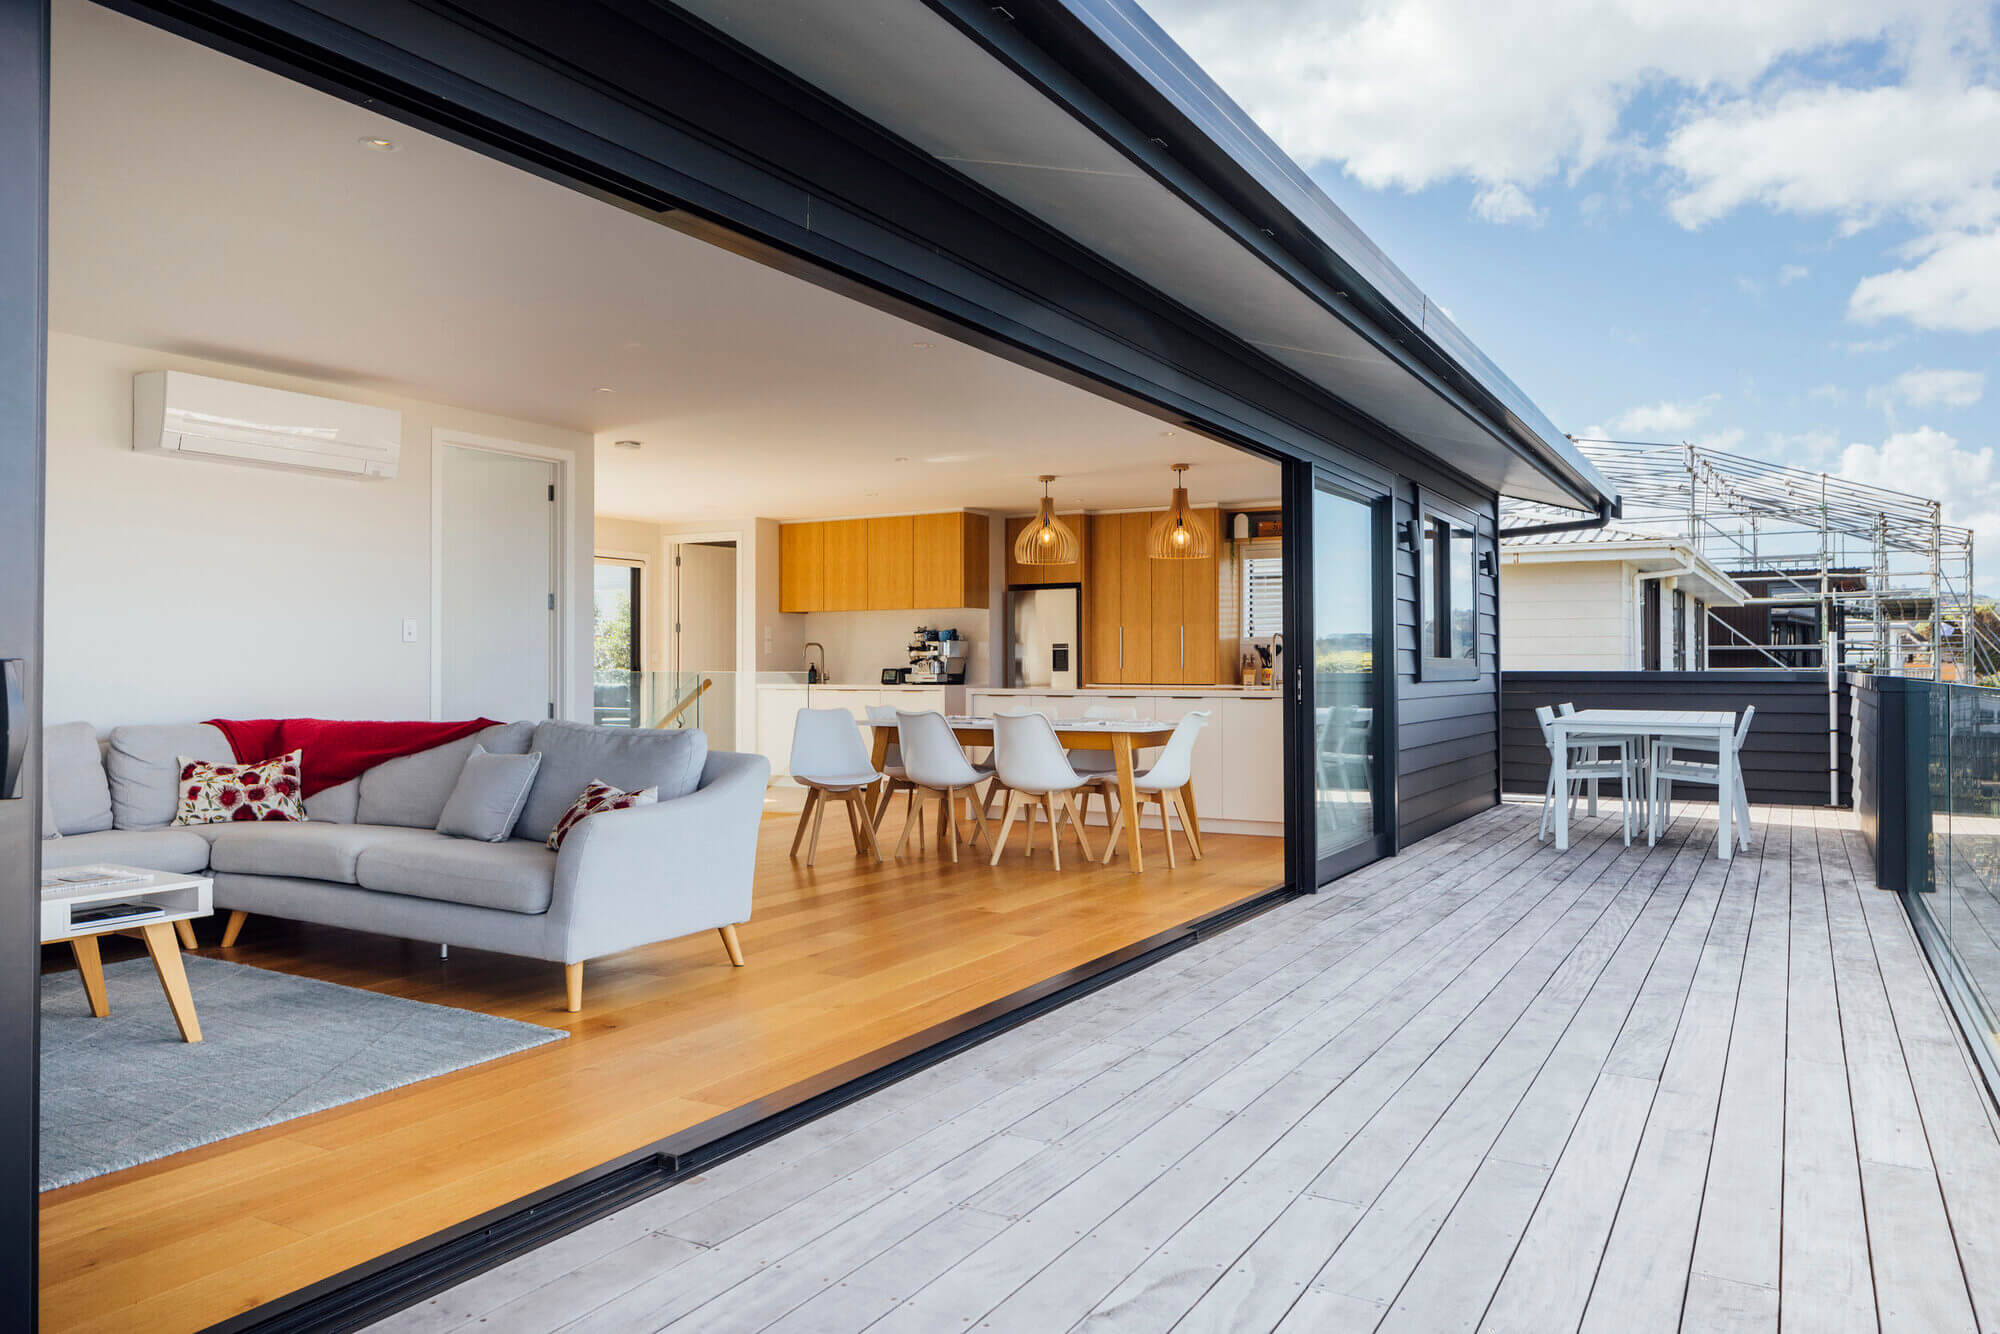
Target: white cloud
(1954,287)
(1858,346)
(1828,393)
(1924,388)
(1791,273)
(1749,286)
(1656,420)
(1505,202)
(1929,463)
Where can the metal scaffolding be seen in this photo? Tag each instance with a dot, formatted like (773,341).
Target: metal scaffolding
(1847,575)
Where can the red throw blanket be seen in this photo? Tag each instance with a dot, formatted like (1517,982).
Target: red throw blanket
(336,751)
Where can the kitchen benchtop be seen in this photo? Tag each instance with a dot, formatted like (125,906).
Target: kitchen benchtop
(1248,692)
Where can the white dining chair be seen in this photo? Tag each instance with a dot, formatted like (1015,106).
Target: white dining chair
(1031,766)
(1163,783)
(1582,767)
(831,761)
(1097,768)
(883,717)
(934,764)
(1671,765)
(1593,747)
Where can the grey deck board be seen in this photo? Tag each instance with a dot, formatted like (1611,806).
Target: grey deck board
(1484,1085)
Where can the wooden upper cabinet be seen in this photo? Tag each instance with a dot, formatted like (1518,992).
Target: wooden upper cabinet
(846,565)
(891,569)
(1135,597)
(1103,663)
(950,560)
(1029,576)
(1168,624)
(1201,596)
(802,567)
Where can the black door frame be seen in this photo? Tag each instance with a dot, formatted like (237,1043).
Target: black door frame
(24,139)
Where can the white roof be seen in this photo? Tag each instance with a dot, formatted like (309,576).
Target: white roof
(1653,553)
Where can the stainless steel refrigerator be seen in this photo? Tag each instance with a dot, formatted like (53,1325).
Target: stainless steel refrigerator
(1044,638)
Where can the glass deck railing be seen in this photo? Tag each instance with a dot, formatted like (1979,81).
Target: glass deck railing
(704,700)
(1958,899)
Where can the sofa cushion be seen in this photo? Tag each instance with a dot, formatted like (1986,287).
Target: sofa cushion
(338,805)
(175,850)
(77,788)
(411,790)
(270,790)
(515,876)
(302,851)
(490,793)
(144,764)
(574,755)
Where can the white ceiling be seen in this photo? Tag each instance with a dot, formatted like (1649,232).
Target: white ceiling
(201,206)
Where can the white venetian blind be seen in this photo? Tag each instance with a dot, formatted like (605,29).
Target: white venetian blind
(1263,588)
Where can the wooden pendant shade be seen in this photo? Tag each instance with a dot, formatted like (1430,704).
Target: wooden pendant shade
(1047,540)
(1176,535)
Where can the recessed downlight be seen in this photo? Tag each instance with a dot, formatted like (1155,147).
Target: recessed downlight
(605,389)
(923,344)
(378,144)
(625,444)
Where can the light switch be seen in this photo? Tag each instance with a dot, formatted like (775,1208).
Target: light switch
(409,629)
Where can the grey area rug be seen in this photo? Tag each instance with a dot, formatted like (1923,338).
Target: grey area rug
(125,1089)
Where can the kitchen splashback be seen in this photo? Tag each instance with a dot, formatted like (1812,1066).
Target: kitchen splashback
(859,644)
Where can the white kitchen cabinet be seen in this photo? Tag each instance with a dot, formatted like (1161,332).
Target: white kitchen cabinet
(1253,760)
(777,714)
(1210,746)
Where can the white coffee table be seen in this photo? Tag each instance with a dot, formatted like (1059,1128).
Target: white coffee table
(181,898)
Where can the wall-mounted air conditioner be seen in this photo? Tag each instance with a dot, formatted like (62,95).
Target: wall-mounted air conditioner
(195,416)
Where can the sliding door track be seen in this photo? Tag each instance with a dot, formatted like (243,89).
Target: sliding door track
(404,1277)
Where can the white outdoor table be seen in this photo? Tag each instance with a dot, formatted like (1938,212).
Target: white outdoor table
(1705,728)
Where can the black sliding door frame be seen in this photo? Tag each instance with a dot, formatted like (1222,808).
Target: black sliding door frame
(24,140)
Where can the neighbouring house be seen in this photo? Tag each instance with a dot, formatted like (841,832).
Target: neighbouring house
(1610,599)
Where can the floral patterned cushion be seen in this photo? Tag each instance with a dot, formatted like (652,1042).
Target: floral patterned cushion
(597,797)
(218,793)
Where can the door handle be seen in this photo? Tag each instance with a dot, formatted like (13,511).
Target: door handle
(13,729)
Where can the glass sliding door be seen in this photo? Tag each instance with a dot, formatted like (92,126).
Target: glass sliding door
(1350,654)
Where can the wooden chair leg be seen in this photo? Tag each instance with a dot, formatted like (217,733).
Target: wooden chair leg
(573,986)
(1190,828)
(805,815)
(234,927)
(910,822)
(730,943)
(979,818)
(184,930)
(948,825)
(819,812)
(1006,826)
(1076,823)
(853,818)
(864,827)
(1117,828)
(1055,830)
(1167,831)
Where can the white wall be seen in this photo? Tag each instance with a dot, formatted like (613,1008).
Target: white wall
(180,589)
(1565,615)
(635,537)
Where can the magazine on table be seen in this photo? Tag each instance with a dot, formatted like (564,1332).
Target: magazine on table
(89,877)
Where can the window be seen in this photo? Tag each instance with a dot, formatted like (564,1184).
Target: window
(1649,626)
(1700,635)
(1450,613)
(1680,630)
(615,599)
(1263,595)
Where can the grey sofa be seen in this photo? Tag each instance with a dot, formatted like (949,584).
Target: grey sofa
(370,857)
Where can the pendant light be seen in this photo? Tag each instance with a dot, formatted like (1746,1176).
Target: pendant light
(1047,540)
(1177,535)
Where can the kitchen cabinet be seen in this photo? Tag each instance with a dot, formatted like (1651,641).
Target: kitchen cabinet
(950,560)
(1037,576)
(891,569)
(1135,599)
(1210,746)
(1253,763)
(802,567)
(1149,622)
(846,543)
(891,563)
(1103,608)
(777,714)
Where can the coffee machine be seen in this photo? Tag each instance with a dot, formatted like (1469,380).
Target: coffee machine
(937,657)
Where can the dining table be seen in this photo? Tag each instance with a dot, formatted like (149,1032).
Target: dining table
(1123,737)
(1698,728)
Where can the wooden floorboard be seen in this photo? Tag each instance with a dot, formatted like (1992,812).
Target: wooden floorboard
(1484,1085)
(844,960)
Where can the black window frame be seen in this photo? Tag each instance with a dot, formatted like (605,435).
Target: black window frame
(1438,519)
(1680,629)
(1700,635)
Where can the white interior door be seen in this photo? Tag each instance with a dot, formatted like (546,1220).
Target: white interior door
(704,631)
(497,585)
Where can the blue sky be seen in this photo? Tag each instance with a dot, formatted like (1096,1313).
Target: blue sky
(1773,227)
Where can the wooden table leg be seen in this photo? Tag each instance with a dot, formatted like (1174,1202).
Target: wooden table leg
(166,952)
(91,965)
(1190,820)
(1128,799)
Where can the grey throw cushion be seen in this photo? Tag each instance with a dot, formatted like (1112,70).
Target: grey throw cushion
(144,764)
(576,754)
(77,789)
(411,790)
(490,793)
